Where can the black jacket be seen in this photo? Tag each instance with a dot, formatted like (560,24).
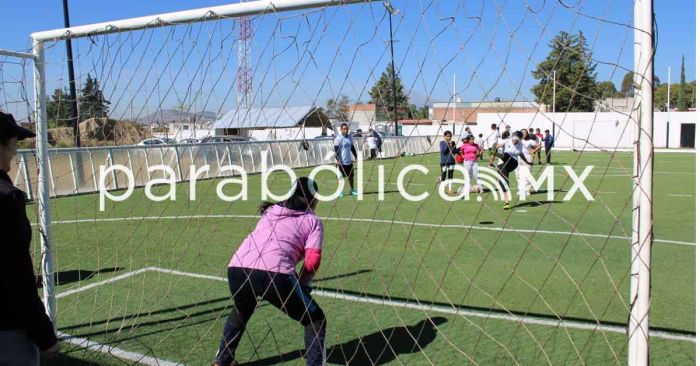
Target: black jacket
(20,305)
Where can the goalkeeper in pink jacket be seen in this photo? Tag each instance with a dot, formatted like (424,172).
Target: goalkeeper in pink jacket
(264,267)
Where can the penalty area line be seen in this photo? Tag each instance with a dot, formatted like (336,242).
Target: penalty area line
(115,351)
(570,324)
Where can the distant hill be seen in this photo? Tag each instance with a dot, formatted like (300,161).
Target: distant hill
(173,115)
(419,99)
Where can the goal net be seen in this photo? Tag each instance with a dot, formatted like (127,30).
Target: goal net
(186,120)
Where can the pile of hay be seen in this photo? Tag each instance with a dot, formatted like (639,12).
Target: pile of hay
(98,132)
(105,131)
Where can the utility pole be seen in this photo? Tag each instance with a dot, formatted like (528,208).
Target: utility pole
(554,103)
(71,79)
(392,11)
(668,105)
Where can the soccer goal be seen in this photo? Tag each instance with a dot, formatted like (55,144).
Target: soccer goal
(188,120)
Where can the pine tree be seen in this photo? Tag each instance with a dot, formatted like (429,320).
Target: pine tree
(682,103)
(382,97)
(575,74)
(58,109)
(92,101)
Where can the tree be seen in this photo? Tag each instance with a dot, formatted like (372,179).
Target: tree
(58,109)
(570,57)
(660,96)
(339,109)
(92,101)
(627,87)
(682,104)
(605,89)
(418,113)
(382,96)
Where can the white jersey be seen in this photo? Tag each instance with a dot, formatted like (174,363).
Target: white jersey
(513,149)
(371,142)
(492,138)
(528,146)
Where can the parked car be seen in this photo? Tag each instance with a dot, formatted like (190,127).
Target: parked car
(190,141)
(220,139)
(157,141)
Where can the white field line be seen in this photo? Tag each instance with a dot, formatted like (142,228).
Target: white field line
(456,311)
(114,351)
(409,223)
(107,349)
(98,284)
(681,195)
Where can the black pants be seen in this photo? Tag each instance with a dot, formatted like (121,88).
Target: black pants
(282,291)
(347,171)
(548,152)
(448,171)
(372,153)
(508,165)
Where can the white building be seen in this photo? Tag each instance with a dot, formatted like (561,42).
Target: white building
(598,131)
(273,123)
(614,105)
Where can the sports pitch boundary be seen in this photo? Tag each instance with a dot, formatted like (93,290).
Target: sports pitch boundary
(415,305)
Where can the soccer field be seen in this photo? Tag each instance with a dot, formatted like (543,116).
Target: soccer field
(401,282)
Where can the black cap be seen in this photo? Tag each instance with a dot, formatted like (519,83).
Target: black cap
(10,128)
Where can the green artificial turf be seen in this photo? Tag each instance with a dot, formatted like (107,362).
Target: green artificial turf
(545,259)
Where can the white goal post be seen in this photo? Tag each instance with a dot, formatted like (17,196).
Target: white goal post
(638,326)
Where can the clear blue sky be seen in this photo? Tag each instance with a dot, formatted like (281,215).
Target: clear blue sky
(489,46)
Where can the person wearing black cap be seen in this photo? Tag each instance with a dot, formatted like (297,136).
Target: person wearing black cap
(25,329)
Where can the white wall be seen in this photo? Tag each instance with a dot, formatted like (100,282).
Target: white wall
(293,133)
(609,130)
(604,130)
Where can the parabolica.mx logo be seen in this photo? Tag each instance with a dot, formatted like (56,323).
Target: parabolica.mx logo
(488,182)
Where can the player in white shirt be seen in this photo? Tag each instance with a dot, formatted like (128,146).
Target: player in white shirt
(481,142)
(512,150)
(529,148)
(492,139)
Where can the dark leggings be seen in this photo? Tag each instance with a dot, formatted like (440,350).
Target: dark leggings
(448,171)
(508,165)
(282,291)
(347,171)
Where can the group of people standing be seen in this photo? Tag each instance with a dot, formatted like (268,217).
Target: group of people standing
(515,151)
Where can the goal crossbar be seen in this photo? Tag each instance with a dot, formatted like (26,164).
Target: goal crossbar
(188,16)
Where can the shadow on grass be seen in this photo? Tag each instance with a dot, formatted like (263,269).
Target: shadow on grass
(385,191)
(75,275)
(376,348)
(182,312)
(65,359)
(544,191)
(535,203)
(343,275)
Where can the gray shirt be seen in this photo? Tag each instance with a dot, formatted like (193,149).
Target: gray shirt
(344,144)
